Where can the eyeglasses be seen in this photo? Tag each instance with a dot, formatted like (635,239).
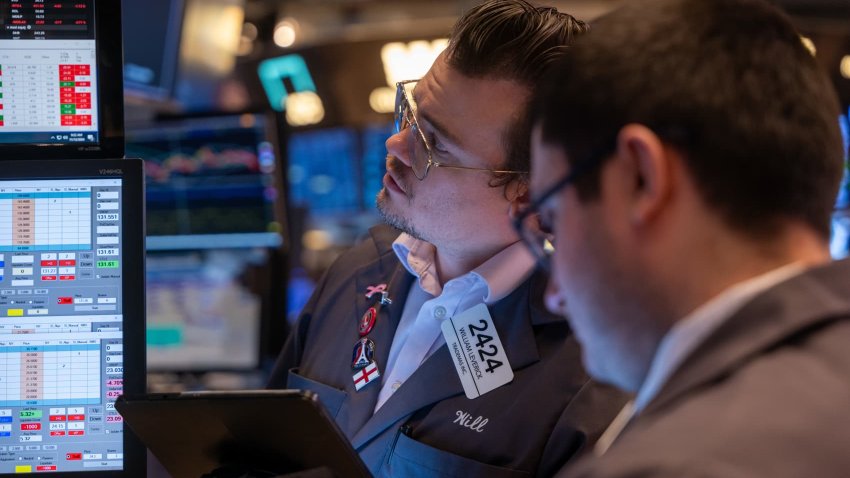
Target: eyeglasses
(421,158)
(537,235)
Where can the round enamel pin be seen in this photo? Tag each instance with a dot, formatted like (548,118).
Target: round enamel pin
(363,353)
(367,321)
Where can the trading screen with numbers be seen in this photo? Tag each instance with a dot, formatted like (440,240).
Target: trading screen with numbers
(61,320)
(48,72)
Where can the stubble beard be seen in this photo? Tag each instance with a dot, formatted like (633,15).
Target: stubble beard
(382,201)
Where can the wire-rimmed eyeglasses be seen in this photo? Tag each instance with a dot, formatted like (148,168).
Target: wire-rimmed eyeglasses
(538,236)
(418,147)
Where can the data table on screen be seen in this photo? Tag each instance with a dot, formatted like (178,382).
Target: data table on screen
(38,218)
(61,321)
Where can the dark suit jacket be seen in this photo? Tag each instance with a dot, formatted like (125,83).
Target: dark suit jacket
(767,395)
(534,424)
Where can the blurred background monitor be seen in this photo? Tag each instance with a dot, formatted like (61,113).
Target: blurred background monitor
(204,309)
(151,32)
(840,240)
(211,182)
(337,171)
(213,240)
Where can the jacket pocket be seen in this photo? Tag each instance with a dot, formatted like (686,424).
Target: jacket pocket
(330,397)
(411,458)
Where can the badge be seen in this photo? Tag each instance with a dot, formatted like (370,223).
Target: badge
(477,351)
(367,321)
(364,351)
(375,289)
(366,376)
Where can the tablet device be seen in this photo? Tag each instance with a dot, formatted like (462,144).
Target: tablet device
(279,431)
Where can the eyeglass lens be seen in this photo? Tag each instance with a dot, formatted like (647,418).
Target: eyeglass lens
(417,149)
(538,240)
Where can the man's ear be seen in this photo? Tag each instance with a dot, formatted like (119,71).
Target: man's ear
(519,197)
(647,164)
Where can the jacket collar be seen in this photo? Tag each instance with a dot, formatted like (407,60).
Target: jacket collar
(806,301)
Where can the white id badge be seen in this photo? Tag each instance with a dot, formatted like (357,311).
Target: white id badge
(477,351)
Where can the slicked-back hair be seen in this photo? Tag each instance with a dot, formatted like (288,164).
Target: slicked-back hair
(511,40)
(727,83)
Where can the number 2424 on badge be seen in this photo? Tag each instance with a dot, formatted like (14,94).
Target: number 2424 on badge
(477,351)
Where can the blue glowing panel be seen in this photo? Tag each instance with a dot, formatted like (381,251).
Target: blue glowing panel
(839,244)
(374,164)
(323,171)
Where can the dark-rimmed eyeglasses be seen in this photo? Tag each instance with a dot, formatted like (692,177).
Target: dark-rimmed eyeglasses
(537,235)
(420,151)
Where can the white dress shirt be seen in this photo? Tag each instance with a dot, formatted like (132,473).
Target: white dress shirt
(428,303)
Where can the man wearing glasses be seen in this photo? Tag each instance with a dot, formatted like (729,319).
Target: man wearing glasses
(432,348)
(689,191)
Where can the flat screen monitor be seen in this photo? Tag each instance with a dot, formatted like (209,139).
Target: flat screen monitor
(324,171)
(151,31)
(211,183)
(334,172)
(374,164)
(60,79)
(204,309)
(839,243)
(72,307)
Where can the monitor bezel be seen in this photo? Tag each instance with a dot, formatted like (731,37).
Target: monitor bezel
(131,171)
(110,78)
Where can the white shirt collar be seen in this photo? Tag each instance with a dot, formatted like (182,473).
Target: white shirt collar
(695,328)
(501,273)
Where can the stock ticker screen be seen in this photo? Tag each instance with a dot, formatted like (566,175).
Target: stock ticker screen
(210,183)
(48,72)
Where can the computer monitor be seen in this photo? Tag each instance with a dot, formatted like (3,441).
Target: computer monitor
(374,163)
(204,309)
(211,182)
(335,172)
(212,230)
(151,46)
(71,301)
(60,79)
(324,172)
(839,243)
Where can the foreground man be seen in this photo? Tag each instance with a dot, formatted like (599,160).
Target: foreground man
(507,395)
(687,156)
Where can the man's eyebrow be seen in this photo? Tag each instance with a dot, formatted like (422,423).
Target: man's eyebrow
(442,130)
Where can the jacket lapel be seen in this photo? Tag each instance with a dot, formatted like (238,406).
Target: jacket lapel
(437,379)
(387,270)
(799,304)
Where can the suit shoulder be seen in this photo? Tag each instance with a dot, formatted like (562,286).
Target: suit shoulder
(376,244)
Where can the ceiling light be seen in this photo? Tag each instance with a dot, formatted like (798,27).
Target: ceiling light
(285,32)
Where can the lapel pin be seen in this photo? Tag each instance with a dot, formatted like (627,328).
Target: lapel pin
(366,376)
(375,289)
(367,321)
(363,353)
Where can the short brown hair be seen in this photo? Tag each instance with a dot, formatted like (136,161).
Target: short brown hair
(511,40)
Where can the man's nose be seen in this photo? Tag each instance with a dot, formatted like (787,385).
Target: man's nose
(397,145)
